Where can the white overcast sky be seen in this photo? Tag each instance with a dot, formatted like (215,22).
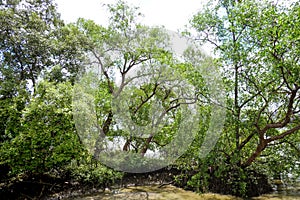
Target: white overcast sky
(173,14)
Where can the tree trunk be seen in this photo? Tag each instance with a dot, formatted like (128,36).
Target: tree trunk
(146,146)
(260,147)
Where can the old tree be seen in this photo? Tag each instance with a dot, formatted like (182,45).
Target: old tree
(136,72)
(257,45)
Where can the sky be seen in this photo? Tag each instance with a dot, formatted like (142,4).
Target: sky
(173,14)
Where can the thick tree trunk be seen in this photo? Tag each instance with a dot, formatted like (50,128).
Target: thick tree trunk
(260,147)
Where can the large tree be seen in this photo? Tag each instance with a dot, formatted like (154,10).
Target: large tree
(257,47)
(36,46)
(142,89)
(35,43)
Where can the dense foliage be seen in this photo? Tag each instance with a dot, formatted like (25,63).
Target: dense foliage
(256,51)
(257,48)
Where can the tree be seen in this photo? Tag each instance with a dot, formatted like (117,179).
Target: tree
(36,46)
(47,139)
(257,47)
(140,86)
(35,42)
(25,34)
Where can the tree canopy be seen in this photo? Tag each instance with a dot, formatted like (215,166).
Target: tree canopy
(69,92)
(257,48)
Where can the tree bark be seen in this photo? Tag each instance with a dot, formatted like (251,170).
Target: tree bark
(260,147)
(146,146)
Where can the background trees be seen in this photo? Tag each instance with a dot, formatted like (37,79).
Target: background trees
(47,139)
(39,60)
